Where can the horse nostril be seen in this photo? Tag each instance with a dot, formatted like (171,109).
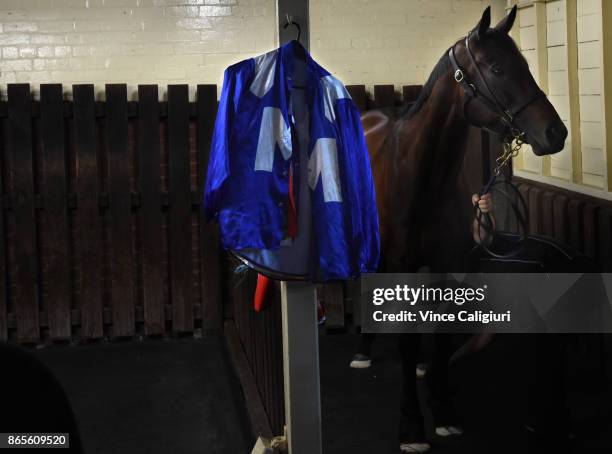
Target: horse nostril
(556,133)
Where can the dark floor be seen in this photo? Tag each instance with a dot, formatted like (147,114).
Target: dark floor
(181,397)
(361,407)
(175,396)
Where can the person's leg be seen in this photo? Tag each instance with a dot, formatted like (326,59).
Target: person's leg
(411,426)
(365,343)
(426,354)
(363,357)
(445,419)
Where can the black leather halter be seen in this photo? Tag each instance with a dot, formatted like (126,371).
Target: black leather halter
(507,115)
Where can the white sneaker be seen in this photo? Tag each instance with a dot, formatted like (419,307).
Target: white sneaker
(421,370)
(361,361)
(449,431)
(415,447)
(456,430)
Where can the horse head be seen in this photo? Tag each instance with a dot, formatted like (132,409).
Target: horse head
(499,91)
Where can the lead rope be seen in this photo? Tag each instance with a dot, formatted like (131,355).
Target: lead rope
(511,149)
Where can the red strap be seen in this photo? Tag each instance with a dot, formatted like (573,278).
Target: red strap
(260,292)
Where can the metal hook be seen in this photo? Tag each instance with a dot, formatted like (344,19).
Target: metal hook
(289,22)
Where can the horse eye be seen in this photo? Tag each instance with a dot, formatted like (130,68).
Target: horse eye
(497,70)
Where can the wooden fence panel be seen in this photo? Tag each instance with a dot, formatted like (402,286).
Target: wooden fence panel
(410,93)
(3,264)
(605,239)
(19,142)
(590,230)
(535,209)
(209,231)
(358,93)
(354,293)
(55,213)
(261,344)
(548,225)
(577,220)
(333,296)
(560,218)
(179,197)
(574,211)
(151,218)
(524,191)
(384,96)
(88,220)
(120,211)
(94,176)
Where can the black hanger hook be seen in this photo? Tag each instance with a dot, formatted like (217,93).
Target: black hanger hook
(289,22)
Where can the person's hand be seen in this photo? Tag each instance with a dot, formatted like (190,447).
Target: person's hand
(485,202)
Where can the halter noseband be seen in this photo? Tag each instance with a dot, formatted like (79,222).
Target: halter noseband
(507,115)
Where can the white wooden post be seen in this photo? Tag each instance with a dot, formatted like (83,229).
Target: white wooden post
(301,367)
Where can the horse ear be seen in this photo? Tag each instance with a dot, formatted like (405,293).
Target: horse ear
(484,24)
(507,22)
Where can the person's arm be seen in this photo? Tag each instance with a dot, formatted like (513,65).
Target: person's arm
(485,204)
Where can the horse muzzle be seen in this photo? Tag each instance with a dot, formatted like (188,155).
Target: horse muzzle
(549,141)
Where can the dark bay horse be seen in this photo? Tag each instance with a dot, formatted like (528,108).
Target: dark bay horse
(417,154)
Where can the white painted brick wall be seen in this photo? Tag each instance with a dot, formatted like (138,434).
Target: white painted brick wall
(390,41)
(130,41)
(193,41)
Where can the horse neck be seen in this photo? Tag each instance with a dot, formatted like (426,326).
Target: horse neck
(442,133)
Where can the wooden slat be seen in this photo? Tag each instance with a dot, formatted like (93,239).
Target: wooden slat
(210,251)
(333,295)
(590,230)
(55,214)
(605,238)
(384,96)
(358,93)
(3,265)
(524,191)
(122,279)
(88,221)
(257,362)
(354,290)
(179,222)
(260,424)
(575,212)
(265,389)
(247,307)
(535,211)
(560,218)
(410,93)
(278,396)
(548,225)
(19,142)
(151,218)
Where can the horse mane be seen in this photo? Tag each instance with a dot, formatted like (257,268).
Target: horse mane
(441,68)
